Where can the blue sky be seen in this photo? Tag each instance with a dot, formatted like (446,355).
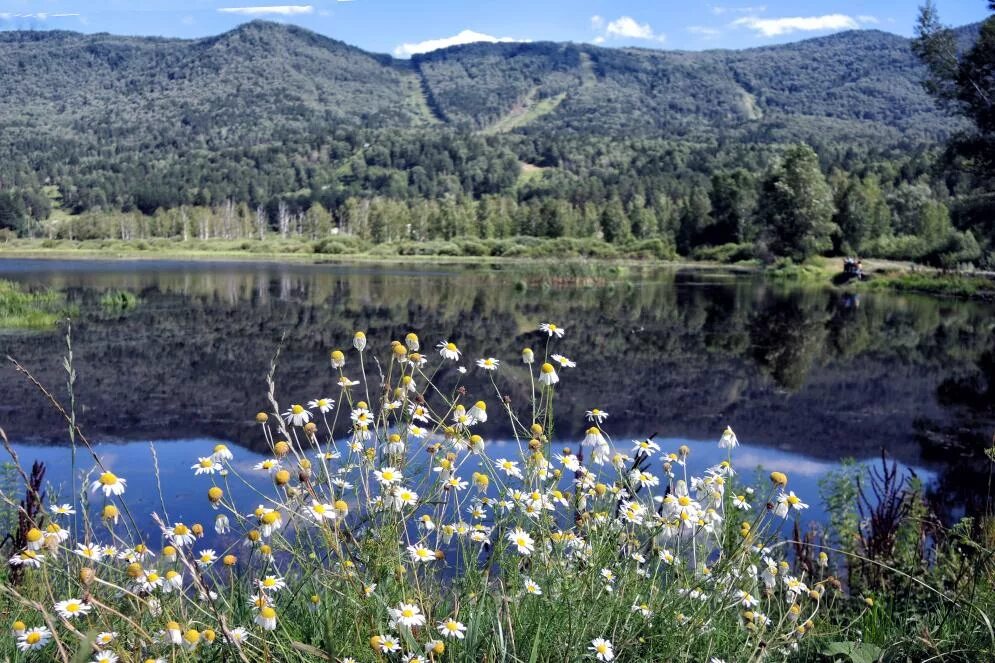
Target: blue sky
(403,27)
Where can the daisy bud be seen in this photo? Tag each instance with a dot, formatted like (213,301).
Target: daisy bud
(600,489)
(310,428)
(411,340)
(265,550)
(281,478)
(169,553)
(110,513)
(528,356)
(191,638)
(684,451)
(778,479)
(869,601)
(198,530)
(214,494)
(536,430)
(18,628)
(209,635)
(439,647)
(342,507)
(359,341)
(338,359)
(400,353)
(229,560)
(375,643)
(535,445)
(281,448)
(262,417)
(135,570)
(86,575)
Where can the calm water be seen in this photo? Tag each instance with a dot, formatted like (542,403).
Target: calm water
(805,376)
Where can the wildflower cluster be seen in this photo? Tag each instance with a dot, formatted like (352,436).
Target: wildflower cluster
(395,528)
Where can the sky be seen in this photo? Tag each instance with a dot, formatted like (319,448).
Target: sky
(404,27)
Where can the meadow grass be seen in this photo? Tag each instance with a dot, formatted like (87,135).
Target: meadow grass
(391,527)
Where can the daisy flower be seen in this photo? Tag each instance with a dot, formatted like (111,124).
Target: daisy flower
(180,534)
(297,415)
(528,357)
(420,553)
(478,412)
(206,465)
(563,361)
(62,510)
(345,382)
(552,329)
(206,557)
(388,475)
(741,502)
(109,483)
(266,618)
(270,465)
(407,614)
(321,511)
(452,629)
(488,364)
(105,638)
(510,468)
(728,439)
(222,453)
(532,587)
(323,405)
(34,638)
(272,583)
(788,501)
(595,414)
(105,657)
(547,375)
(27,557)
(359,341)
(71,608)
(388,643)
(448,350)
(602,649)
(402,497)
(521,540)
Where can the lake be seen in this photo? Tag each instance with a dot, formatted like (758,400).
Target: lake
(804,375)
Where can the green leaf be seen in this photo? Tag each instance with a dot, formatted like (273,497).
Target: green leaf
(858,652)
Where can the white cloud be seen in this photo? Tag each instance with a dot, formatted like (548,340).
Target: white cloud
(597,22)
(703,31)
(718,10)
(274,10)
(773,27)
(626,26)
(464,37)
(41,16)
(864,18)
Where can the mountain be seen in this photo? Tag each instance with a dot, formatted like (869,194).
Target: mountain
(262,78)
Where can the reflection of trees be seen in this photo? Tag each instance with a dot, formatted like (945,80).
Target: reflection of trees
(787,336)
(685,360)
(971,397)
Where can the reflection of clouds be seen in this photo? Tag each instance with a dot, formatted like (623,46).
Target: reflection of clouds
(789,463)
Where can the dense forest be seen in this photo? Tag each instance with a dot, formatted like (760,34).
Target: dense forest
(827,145)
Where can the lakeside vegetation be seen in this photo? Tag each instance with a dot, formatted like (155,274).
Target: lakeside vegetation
(26,309)
(390,530)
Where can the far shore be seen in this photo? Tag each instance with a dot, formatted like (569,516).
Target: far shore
(900,276)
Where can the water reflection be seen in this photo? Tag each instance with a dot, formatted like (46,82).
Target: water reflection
(672,352)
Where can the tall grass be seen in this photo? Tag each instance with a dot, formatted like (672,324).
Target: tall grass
(393,528)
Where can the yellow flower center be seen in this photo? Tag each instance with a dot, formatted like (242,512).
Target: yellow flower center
(72,607)
(33,638)
(207,462)
(297,409)
(108,479)
(180,529)
(451,347)
(267,612)
(547,368)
